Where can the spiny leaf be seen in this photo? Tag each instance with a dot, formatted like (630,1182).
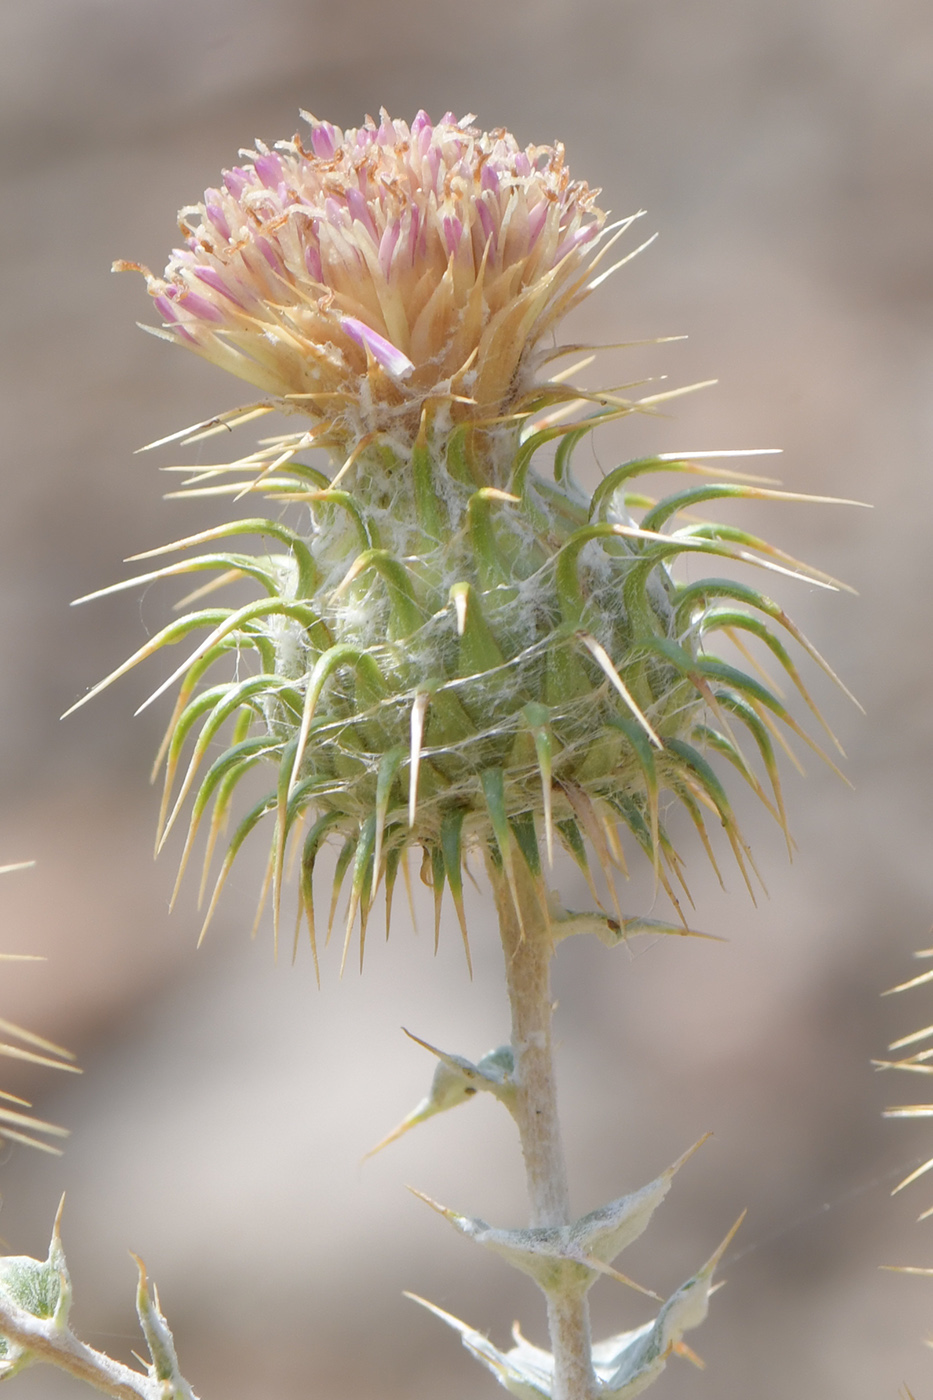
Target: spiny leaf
(560,1259)
(159,1340)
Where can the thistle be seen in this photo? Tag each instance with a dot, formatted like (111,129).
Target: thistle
(26,1046)
(917,1060)
(452,648)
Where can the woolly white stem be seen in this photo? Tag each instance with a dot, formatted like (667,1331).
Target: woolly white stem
(61,1348)
(528,946)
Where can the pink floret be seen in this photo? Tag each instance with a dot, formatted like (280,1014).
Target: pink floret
(382,350)
(269,170)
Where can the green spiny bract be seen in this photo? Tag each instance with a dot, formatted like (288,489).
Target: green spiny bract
(443,664)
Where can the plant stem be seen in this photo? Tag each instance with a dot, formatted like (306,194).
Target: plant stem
(61,1348)
(528,947)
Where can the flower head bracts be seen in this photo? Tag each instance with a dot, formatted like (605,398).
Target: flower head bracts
(539,674)
(446,650)
(381,268)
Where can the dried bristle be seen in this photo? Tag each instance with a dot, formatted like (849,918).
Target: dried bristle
(917,1062)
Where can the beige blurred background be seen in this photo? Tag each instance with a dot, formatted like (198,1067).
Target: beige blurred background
(785,153)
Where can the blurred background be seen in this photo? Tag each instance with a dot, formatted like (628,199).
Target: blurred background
(785,152)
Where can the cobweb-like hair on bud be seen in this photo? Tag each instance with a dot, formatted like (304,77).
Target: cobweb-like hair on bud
(538,677)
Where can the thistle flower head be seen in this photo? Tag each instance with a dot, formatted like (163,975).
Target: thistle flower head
(447,650)
(382,270)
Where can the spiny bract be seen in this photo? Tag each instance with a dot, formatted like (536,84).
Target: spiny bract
(448,649)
